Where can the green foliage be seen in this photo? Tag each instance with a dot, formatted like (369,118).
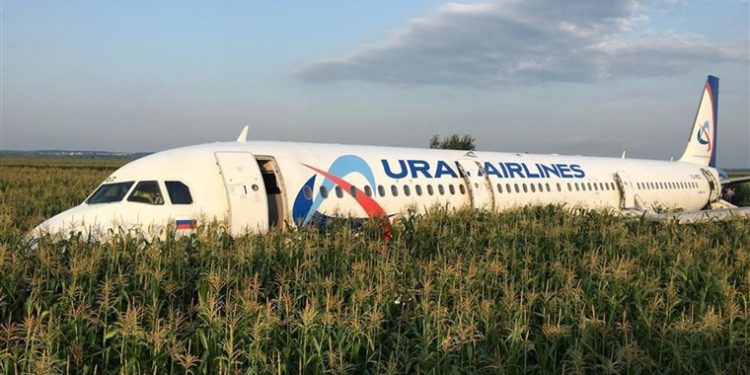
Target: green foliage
(741,191)
(454,142)
(536,290)
(742,195)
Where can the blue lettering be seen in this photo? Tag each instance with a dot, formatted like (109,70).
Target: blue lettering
(514,168)
(389,172)
(540,170)
(548,171)
(444,168)
(419,166)
(564,170)
(579,173)
(502,169)
(491,170)
(528,172)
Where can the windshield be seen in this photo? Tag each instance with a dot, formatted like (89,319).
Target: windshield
(108,193)
(147,192)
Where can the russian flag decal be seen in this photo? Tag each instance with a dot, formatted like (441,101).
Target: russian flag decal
(186,224)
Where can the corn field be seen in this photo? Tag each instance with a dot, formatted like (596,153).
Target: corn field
(536,290)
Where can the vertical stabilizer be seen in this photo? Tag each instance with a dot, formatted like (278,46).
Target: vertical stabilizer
(701,147)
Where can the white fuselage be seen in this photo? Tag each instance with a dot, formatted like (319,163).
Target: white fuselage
(258,185)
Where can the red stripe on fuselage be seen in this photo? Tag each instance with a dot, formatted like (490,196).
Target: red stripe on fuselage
(371,207)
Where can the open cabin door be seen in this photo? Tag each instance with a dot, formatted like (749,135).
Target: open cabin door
(274,185)
(627,191)
(714,186)
(246,193)
(478,184)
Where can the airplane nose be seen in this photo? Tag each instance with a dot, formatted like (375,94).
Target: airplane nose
(76,219)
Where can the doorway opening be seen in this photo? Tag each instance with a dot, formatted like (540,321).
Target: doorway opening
(274,190)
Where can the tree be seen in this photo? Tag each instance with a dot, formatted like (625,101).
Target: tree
(454,142)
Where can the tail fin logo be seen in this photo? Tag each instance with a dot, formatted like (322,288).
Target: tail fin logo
(704,136)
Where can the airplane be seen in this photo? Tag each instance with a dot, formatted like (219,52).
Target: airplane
(256,186)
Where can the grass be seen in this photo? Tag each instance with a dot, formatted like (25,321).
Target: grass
(536,290)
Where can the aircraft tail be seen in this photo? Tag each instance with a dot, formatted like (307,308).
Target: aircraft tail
(701,147)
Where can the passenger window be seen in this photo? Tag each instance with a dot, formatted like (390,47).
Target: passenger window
(533,188)
(339,192)
(394,190)
(577,187)
(500,188)
(518,190)
(147,192)
(430,191)
(307,191)
(583,186)
(353,191)
(452,189)
(546,184)
(407,191)
(462,189)
(525,188)
(368,190)
(507,188)
(559,188)
(418,189)
(381,190)
(570,187)
(441,189)
(324,192)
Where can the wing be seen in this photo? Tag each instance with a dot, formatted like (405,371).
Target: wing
(735,180)
(702,216)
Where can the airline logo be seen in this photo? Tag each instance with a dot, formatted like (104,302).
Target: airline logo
(421,168)
(305,207)
(704,135)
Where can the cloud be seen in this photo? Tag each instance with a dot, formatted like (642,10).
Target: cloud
(527,42)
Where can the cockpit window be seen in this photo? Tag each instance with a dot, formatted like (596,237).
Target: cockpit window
(178,192)
(108,193)
(147,192)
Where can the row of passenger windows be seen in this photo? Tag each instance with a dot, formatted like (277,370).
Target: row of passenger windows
(451,189)
(394,190)
(559,187)
(669,185)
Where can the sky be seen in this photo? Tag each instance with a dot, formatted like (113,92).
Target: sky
(585,77)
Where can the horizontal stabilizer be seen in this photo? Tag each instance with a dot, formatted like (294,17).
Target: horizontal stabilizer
(735,180)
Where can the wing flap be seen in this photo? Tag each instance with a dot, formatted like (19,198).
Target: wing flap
(702,216)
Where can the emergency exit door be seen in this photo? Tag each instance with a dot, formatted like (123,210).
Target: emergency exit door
(627,191)
(246,193)
(478,184)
